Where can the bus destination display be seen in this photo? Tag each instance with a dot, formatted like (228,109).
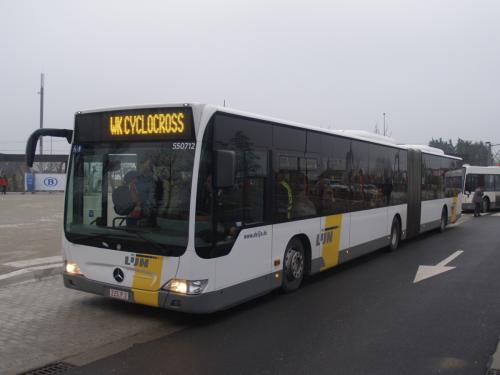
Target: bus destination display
(135,125)
(158,123)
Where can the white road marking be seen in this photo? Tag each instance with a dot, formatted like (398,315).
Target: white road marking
(15,225)
(34,262)
(30,269)
(460,221)
(424,272)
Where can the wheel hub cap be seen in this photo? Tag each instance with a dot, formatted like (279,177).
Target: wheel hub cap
(294,264)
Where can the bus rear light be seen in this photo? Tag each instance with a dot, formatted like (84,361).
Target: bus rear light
(72,268)
(186,286)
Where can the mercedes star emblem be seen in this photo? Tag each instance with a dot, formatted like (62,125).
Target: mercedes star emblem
(118,275)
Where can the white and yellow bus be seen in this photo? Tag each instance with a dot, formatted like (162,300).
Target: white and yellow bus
(486,177)
(196,208)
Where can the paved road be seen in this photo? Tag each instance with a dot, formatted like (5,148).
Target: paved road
(30,227)
(40,320)
(366,317)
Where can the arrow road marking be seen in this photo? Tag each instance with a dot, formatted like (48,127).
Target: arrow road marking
(34,262)
(424,272)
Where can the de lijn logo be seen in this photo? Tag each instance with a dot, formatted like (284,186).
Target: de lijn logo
(50,181)
(137,261)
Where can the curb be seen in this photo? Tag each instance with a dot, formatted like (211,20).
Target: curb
(35,275)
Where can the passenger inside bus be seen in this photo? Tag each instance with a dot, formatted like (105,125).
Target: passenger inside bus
(328,200)
(136,198)
(302,206)
(284,197)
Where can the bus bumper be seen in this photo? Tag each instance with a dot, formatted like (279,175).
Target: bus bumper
(195,304)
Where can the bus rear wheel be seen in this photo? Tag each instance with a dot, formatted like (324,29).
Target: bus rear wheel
(444,220)
(485,205)
(293,265)
(395,235)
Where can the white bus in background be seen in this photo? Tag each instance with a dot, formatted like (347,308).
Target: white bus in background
(486,177)
(196,208)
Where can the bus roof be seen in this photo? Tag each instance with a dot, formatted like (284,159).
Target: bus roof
(352,134)
(482,170)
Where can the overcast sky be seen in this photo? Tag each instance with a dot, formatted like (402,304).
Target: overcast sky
(432,66)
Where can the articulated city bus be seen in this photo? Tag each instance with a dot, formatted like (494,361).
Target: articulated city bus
(486,177)
(197,208)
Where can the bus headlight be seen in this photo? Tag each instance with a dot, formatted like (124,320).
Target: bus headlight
(186,286)
(72,268)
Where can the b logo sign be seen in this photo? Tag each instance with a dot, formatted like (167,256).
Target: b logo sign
(50,181)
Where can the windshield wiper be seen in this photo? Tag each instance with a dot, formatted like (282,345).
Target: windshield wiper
(103,237)
(91,236)
(139,235)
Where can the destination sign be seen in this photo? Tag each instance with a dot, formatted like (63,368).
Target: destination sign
(135,125)
(159,123)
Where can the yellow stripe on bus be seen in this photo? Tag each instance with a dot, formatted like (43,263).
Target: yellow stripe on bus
(454,209)
(145,297)
(147,279)
(330,239)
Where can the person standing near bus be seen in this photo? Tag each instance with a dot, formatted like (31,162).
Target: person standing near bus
(478,199)
(3,184)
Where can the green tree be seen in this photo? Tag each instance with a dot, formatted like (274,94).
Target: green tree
(447,147)
(473,153)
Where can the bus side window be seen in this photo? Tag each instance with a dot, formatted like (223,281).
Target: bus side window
(497,182)
(284,192)
(333,182)
(489,182)
(289,195)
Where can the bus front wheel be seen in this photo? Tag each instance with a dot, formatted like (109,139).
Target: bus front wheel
(293,265)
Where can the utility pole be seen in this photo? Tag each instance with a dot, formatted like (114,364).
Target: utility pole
(385,130)
(41,110)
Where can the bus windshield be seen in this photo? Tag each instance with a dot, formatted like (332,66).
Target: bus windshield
(130,196)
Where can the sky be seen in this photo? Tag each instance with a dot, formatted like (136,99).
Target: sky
(433,66)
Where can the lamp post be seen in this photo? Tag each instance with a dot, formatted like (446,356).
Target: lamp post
(490,156)
(384,123)
(41,111)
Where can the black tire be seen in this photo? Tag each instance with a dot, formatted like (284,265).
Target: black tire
(294,263)
(395,237)
(444,220)
(485,205)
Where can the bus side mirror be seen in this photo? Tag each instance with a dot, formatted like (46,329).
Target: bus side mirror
(33,140)
(225,167)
